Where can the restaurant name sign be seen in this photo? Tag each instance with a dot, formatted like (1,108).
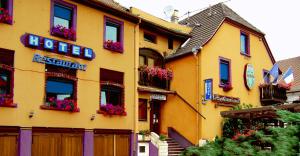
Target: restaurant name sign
(158,97)
(57,62)
(226,99)
(59,47)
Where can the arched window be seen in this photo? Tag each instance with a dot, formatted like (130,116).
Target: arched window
(150,58)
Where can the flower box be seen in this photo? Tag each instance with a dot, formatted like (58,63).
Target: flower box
(110,109)
(4,16)
(63,105)
(114,46)
(61,31)
(226,87)
(162,74)
(6,100)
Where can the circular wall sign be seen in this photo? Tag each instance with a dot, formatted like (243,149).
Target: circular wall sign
(249,76)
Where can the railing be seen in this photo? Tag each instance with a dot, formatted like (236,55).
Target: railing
(272,94)
(153,81)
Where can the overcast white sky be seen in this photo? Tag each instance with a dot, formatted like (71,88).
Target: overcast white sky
(278,19)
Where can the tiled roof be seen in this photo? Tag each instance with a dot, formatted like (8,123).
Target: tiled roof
(206,23)
(295,64)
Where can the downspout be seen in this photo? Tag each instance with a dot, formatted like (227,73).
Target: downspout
(196,56)
(136,53)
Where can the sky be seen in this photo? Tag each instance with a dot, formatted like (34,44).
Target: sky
(278,19)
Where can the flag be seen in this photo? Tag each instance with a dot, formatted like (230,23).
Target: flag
(288,76)
(274,72)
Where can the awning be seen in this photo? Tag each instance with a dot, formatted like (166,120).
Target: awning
(261,112)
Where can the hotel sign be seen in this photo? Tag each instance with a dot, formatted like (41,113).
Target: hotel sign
(249,76)
(57,62)
(225,99)
(59,47)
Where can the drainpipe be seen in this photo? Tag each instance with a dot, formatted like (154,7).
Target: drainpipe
(135,119)
(195,51)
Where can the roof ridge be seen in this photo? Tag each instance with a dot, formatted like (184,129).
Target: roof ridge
(292,58)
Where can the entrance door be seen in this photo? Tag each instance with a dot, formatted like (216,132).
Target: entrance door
(155,116)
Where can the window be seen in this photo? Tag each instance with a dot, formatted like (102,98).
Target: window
(113,34)
(170,43)
(142,109)
(6,11)
(63,20)
(6,78)
(150,58)
(245,44)
(225,74)
(61,88)
(62,16)
(112,89)
(266,76)
(149,37)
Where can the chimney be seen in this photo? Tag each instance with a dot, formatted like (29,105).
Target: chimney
(175,17)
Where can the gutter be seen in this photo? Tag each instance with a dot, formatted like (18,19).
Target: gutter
(125,14)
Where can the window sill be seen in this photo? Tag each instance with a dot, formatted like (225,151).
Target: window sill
(247,55)
(14,105)
(64,33)
(113,46)
(105,113)
(143,120)
(58,109)
(226,87)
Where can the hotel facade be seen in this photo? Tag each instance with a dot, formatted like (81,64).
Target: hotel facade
(88,77)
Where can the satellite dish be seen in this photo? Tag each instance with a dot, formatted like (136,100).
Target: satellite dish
(168,11)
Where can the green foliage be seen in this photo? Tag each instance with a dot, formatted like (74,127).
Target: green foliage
(162,137)
(230,124)
(280,141)
(145,132)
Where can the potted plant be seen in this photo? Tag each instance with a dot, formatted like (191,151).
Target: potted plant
(145,134)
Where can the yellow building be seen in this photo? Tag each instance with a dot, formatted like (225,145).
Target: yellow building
(68,73)
(220,66)
(82,77)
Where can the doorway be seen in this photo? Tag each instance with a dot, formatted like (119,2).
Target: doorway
(155,116)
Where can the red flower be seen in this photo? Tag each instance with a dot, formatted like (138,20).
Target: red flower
(4,16)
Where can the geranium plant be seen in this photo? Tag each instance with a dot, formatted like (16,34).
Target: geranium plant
(66,104)
(110,109)
(114,46)
(4,16)
(163,74)
(61,31)
(6,100)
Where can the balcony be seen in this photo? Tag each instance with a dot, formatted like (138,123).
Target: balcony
(155,77)
(272,94)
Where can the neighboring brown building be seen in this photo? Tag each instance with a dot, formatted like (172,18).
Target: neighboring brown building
(294,92)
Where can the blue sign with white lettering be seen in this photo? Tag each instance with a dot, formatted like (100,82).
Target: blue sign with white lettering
(57,62)
(59,47)
(208,89)
(88,53)
(62,47)
(48,44)
(75,50)
(33,40)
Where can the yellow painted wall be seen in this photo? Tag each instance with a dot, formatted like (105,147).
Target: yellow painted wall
(161,44)
(34,17)
(226,43)
(176,113)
